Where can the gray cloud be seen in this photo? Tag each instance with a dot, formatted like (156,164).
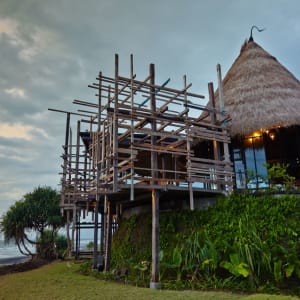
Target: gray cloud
(54,49)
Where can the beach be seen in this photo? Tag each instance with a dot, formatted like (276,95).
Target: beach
(10,254)
(4,261)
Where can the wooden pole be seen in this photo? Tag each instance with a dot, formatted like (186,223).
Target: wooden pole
(69,249)
(95,250)
(77,233)
(76,186)
(213,119)
(102,235)
(74,227)
(225,145)
(155,195)
(213,116)
(63,197)
(115,127)
(131,132)
(188,148)
(98,170)
(221,97)
(77,157)
(108,238)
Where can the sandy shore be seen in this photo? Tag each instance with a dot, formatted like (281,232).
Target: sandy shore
(13,260)
(20,264)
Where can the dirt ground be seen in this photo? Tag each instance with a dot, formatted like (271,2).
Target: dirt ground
(26,266)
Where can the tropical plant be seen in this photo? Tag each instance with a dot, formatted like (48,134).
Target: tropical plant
(51,245)
(90,245)
(235,266)
(278,174)
(13,225)
(37,211)
(244,242)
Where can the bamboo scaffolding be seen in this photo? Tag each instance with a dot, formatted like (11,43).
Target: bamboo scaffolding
(141,136)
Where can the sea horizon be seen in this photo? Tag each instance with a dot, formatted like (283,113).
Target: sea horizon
(10,254)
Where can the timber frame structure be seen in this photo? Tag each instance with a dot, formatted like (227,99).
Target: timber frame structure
(141,143)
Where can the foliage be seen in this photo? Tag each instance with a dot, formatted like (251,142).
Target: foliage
(37,211)
(61,245)
(90,245)
(235,266)
(277,178)
(127,253)
(244,242)
(277,173)
(51,244)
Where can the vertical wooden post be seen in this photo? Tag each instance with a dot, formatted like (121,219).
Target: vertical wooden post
(225,145)
(74,226)
(213,117)
(102,235)
(70,154)
(85,183)
(155,194)
(221,98)
(163,165)
(188,148)
(66,152)
(108,238)
(77,233)
(77,158)
(174,156)
(98,170)
(95,250)
(76,187)
(69,244)
(64,184)
(115,127)
(131,132)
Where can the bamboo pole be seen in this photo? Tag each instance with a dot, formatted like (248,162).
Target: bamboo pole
(63,196)
(155,194)
(213,117)
(188,149)
(108,238)
(77,156)
(115,127)
(225,145)
(98,170)
(132,133)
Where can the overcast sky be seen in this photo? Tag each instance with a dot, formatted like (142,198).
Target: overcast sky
(50,50)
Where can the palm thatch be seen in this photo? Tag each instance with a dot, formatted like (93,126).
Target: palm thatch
(259,92)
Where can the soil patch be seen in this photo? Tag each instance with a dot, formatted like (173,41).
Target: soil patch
(26,266)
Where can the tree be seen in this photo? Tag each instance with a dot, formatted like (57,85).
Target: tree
(37,211)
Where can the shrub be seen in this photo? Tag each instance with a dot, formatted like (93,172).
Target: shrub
(244,241)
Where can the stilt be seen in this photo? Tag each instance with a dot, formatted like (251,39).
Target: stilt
(108,238)
(155,194)
(95,253)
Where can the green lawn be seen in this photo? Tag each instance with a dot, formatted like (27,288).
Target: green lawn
(60,281)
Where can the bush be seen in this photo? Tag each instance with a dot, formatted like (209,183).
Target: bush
(246,242)
(51,245)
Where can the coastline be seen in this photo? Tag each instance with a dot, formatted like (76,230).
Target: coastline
(7,261)
(20,264)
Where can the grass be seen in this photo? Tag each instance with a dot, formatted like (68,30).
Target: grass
(60,280)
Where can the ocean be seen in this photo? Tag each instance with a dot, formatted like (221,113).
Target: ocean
(10,254)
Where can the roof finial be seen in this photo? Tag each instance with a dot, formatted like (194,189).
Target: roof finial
(259,30)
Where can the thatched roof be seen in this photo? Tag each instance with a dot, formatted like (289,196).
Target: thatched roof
(259,92)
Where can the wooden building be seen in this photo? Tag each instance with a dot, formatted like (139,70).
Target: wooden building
(263,99)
